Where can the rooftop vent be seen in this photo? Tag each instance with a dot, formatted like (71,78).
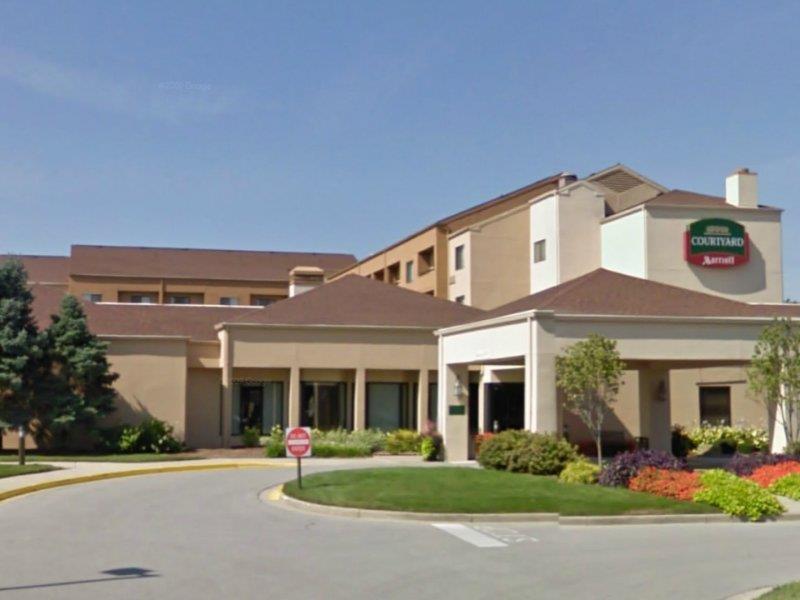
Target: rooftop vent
(619,181)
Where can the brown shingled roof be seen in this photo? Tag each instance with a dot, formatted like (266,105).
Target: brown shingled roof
(604,292)
(43,269)
(359,301)
(691,199)
(186,263)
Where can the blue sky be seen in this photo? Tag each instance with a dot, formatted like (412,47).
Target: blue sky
(342,126)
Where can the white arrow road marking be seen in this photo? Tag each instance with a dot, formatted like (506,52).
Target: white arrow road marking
(505,534)
(469,535)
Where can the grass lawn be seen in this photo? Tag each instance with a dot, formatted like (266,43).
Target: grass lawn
(12,470)
(117,458)
(790,591)
(465,490)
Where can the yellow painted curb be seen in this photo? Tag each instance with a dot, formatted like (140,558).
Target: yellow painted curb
(46,485)
(274,494)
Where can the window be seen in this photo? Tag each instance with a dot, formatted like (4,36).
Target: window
(257,404)
(390,407)
(715,405)
(539,251)
(325,406)
(229,301)
(93,297)
(409,271)
(460,299)
(393,273)
(459,257)
(142,299)
(179,300)
(262,300)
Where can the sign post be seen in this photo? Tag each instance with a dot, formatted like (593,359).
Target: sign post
(298,444)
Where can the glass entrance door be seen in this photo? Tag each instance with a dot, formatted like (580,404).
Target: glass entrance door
(505,406)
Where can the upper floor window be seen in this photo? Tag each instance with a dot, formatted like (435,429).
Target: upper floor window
(229,301)
(179,300)
(142,299)
(539,251)
(262,300)
(409,271)
(93,297)
(460,299)
(425,261)
(459,257)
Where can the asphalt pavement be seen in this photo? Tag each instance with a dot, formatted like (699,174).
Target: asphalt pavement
(208,535)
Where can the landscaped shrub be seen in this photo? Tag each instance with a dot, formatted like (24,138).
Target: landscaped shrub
(792,448)
(580,471)
(679,485)
(431,447)
(788,485)
(274,445)
(682,444)
(403,441)
(628,464)
(496,450)
(150,435)
(766,475)
(744,464)
(729,439)
(736,496)
(374,439)
(542,454)
(251,437)
(335,450)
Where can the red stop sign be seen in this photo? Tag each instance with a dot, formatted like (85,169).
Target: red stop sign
(298,442)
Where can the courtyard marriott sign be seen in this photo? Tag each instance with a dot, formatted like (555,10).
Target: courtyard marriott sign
(716,243)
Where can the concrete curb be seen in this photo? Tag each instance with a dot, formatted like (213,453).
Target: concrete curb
(276,495)
(750,594)
(46,485)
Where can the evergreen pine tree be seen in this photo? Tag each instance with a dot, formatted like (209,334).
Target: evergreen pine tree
(21,347)
(79,359)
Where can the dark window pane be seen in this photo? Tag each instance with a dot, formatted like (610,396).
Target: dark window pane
(715,405)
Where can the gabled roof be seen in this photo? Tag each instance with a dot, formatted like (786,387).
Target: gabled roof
(43,269)
(604,292)
(190,263)
(358,301)
(693,199)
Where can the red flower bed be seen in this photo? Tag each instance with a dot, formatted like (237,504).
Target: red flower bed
(680,485)
(768,474)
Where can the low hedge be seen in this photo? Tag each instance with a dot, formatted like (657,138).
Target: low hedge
(736,496)
(527,452)
(403,441)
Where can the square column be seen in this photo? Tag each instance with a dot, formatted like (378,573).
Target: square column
(454,411)
(294,397)
(226,399)
(541,394)
(422,399)
(360,400)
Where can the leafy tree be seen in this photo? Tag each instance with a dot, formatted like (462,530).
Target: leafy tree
(774,375)
(79,359)
(590,373)
(21,348)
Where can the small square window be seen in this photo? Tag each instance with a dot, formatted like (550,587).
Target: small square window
(409,271)
(540,251)
(460,299)
(229,301)
(93,297)
(459,257)
(715,405)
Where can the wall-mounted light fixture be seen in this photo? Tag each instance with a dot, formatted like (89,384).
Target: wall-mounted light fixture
(458,388)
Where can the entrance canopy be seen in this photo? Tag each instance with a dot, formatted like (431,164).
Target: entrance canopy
(657,327)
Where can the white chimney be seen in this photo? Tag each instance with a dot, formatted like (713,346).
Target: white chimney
(741,189)
(302,279)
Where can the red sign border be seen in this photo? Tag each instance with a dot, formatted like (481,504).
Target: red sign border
(289,452)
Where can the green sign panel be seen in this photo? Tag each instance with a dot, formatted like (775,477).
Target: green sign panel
(716,243)
(457,409)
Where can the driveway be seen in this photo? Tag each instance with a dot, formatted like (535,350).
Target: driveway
(205,535)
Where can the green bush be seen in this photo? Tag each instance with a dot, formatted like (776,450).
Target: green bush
(337,450)
(788,485)
(251,437)
(150,435)
(431,447)
(273,446)
(374,439)
(403,441)
(527,452)
(496,451)
(580,471)
(737,497)
(729,439)
(682,444)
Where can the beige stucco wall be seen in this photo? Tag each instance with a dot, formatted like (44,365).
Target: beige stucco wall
(152,380)
(459,282)
(760,280)
(580,211)
(203,408)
